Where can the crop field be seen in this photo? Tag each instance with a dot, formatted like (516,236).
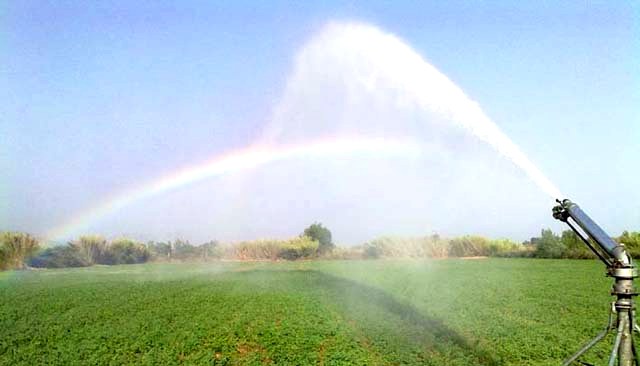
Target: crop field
(439,312)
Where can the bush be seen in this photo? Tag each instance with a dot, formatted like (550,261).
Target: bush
(267,249)
(183,250)
(506,248)
(59,257)
(468,246)
(435,246)
(355,252)
(211,249)
(296,248)
(398,247)
(159,251)
(127,251)
(15,249)
(254,249)
(91,249)
(373,250)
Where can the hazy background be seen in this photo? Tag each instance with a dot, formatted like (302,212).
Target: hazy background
(97,98)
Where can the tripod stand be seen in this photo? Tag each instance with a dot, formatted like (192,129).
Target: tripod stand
(624,349)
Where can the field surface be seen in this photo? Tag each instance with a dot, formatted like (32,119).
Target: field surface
(445,312)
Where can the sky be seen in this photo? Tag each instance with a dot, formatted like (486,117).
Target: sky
(98,98)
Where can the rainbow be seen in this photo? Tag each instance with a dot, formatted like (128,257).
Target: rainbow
(232,162)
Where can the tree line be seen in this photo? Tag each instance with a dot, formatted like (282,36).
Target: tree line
(569,245)
(21,250)
(566,245)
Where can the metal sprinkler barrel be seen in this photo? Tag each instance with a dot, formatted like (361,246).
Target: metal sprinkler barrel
(620,266)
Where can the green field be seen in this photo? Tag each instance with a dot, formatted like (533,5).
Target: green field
(440,312)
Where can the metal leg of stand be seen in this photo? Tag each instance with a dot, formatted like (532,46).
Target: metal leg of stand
(635,353)
(592,342)
(625,351)
(616,344)
(633,326)
(586,347)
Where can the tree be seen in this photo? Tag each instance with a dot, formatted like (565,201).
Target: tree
(574,247)
(549,245)
(320,234)
(571,241)
(631,241)
(210,249)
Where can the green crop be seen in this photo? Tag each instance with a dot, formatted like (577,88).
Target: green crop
(439,312)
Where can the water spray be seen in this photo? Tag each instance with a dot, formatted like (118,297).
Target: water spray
(622,318)
(366,69)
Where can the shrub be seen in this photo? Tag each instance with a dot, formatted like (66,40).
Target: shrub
(355,252)
(503,248)
(127,251)
(396,247)
(15,249)
(160,251)
(469,246)
(91,249)
(254,249)
(269,249)
(435,246)
(182,249)
(296,248)
(59,257)
(372,250)
(211,249)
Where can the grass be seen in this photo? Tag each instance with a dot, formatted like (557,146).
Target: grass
(446,312)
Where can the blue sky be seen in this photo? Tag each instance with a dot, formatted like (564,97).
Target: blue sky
(97,97)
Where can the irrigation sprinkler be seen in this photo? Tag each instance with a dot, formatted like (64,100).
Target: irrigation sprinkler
(622,317)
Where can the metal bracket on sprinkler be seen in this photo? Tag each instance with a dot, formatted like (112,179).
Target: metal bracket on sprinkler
(621,268)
